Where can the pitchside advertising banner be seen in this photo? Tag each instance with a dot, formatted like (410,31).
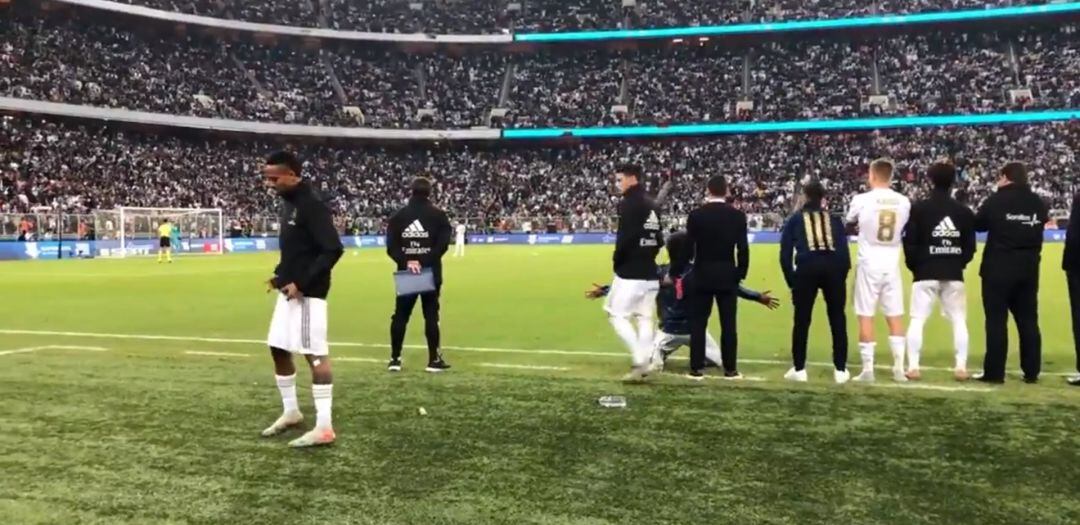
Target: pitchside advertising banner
(144,247)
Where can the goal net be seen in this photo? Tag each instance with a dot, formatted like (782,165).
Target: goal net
(128,231)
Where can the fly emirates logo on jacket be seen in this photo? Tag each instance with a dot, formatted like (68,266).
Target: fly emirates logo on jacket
(418,237)
(652,230)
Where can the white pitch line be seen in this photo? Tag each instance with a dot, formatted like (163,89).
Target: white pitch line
(525,367)
(536,351)
(76,347)
(22,350)
(217,354)
(357,359)
(930,387)
(53,347)
(744,378)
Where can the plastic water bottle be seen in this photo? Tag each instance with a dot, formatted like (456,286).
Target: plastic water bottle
(613,402)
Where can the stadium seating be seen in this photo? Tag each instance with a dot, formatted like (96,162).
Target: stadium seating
(494,16)
(80,167)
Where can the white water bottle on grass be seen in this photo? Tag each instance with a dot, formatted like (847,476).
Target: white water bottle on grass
(613,402)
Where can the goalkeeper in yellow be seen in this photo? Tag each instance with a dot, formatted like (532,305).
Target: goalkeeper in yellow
(165,235)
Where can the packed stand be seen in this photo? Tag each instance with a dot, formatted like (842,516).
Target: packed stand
(918,74)
(102,66)
(691,84)
(492,16)
(296,87)
(81,168)
(463,90)
(566,89)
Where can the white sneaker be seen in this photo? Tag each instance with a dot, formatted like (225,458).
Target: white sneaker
(866,376)
(796,375)
(655,366)
(841,376)
(636,375)
(898,374)
(283,423)
(314,438)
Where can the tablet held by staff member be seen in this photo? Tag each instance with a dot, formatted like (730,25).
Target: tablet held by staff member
(416,239)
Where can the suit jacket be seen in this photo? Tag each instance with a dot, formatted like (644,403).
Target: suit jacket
(1071,261)
(716,234)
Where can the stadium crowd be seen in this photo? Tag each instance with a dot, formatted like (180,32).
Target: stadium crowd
(92,64)
(493,16)
(75,168)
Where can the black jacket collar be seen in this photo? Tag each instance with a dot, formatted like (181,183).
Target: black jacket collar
(303,188)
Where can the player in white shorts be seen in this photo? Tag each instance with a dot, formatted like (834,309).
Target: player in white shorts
(939,242)
(881,215)
(310,247)
(631,303)
(459,240)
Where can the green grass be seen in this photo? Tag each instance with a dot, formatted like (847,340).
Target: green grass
(145,432)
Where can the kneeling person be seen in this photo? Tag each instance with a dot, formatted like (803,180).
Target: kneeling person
(674,330)
(310,247)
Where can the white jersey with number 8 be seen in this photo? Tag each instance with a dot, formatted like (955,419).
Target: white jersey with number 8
(881,215)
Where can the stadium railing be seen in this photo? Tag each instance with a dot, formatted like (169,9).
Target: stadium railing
(1006,15)
(267,129)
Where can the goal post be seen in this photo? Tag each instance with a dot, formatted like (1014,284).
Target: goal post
(135,230)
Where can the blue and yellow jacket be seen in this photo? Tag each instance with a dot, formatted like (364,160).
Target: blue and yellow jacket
(812,237)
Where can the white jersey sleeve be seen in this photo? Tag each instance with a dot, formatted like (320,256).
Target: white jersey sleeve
(854,209)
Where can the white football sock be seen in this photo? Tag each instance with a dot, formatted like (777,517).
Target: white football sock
(897,344)
(914,342)
(287,386)
(646,334)
(866,352)
(960,342)
(625,330)
(324,398)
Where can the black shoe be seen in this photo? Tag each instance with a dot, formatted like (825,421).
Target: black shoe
(732,375)
(696,375)
(395,365)
(1031,380)
(437,366)
(1074,381)
(982,378)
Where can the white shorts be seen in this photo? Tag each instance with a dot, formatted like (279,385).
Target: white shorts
(874,288)
(632,297)
(951,293)
(299,326)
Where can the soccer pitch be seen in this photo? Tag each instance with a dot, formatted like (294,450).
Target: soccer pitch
(134,392)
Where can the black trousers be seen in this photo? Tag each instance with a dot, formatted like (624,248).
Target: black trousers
(399,323)
(1018,293)
(699,304)
(1074,304)
(804,291)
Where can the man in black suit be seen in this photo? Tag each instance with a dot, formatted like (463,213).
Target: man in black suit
(717,241)
(1071,265)
(1014,218)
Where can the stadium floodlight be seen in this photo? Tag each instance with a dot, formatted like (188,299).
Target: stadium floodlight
(202,230)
